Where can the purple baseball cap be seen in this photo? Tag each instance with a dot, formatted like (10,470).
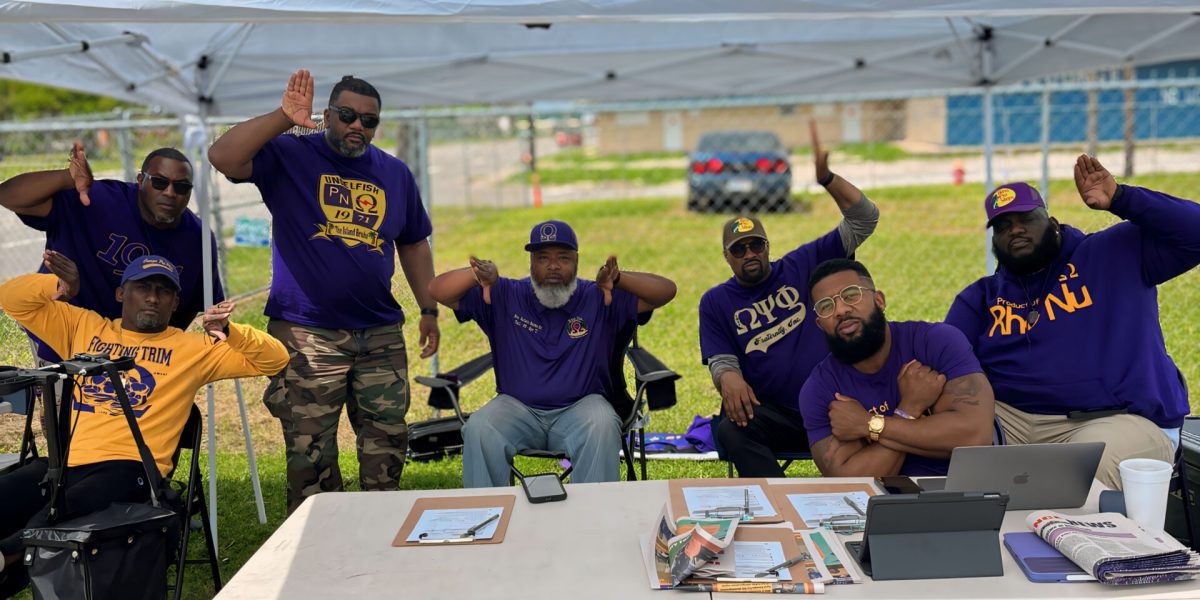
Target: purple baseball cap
(150,265)
(1012,197)
(551,233)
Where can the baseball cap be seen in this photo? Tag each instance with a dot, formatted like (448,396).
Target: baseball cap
(551,233)
(740,228)
(1012,197)
(149,265)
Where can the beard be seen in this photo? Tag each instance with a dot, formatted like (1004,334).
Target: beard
(340,146)
(146,322)
(862,347)
(1044,252)
(554,296)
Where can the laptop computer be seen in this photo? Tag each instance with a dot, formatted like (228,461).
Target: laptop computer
(1035,476)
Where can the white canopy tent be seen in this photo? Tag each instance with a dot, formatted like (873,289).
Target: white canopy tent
(200,59)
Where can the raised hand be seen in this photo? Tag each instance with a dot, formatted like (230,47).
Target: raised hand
(216,318)
(297,101)
(607,277)
(737,398)
(820,155)
(66,271)
(848,419)
(1095,184)
(81,172)
(486,274)
(920,387)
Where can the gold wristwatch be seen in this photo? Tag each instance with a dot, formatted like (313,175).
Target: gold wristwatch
(875,427)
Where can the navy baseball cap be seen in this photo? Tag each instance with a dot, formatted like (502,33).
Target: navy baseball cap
(1011,197)
(150,265)
(551,233)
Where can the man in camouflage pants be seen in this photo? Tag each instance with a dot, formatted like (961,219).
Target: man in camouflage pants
(342,210)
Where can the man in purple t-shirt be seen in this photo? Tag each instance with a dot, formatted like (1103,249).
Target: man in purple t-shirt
(753,334)
(342,211)
(552,337)
(1067,328)
(104,225)
(891,398)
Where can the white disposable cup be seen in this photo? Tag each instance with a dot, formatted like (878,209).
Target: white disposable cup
(1145,482)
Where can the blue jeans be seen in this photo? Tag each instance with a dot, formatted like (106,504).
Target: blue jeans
(588,431)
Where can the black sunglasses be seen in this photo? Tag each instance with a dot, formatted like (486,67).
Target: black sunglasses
(349,115)
(756,246)
(160,183)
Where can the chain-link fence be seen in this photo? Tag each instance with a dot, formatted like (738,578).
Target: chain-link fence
(708,155)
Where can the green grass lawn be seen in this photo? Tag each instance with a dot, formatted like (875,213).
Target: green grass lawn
(929,245)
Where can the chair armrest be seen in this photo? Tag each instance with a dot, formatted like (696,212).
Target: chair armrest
(656,376)
(433,382)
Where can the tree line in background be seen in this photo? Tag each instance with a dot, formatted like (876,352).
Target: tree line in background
(20,100)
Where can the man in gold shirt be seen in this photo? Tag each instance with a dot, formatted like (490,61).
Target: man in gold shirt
(171,365)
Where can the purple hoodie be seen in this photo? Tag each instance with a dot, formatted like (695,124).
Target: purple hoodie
(1097,342)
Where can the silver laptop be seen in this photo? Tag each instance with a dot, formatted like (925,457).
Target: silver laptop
(1035,476)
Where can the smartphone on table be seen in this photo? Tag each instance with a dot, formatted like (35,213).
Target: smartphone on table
(898,484)
(545,487)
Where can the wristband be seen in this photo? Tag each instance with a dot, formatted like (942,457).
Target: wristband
(432,312)
(828,180)
(903,415)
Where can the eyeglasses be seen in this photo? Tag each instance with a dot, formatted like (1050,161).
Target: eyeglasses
(851,294)
(160,183)
(349,115)
(756,246)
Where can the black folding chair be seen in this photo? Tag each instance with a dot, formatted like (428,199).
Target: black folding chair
(191,503)
(17,397)
(655,389)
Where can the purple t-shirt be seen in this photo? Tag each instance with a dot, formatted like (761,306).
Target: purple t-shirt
(768,326)
(935,345)
(549,357)
(103,238)
(1097,342)
(337,222)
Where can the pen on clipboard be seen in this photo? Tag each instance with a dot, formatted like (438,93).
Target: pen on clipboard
(854,505)
(470,533)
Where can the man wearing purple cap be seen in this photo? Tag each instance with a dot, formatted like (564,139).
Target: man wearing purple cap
(170,366)
(1067,328)
(552,336)
(756,334)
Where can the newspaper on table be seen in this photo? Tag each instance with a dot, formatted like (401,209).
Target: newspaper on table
(827,560)
(687,547)
(1115,549)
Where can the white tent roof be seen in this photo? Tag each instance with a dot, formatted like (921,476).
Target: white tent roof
(229,57)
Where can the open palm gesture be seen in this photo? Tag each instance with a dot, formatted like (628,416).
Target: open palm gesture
(81,173)
(1095,184)
(297,101)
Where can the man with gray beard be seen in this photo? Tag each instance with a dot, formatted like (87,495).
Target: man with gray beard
(552,336)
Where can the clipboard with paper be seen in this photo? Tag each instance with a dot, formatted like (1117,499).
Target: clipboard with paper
(464,520)
(747,499)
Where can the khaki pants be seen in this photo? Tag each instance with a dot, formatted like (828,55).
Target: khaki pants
(1124,436)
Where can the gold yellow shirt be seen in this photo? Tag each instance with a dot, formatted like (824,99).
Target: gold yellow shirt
(170,367)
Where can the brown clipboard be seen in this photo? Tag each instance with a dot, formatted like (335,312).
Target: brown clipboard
(679,507)
(780,492)
(506,501)
(787,541)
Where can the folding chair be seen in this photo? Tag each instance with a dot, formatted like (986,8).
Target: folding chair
(785,459)
(655,388)
(191,502)
(17,397)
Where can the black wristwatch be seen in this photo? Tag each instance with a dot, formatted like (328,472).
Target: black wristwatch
(433,312)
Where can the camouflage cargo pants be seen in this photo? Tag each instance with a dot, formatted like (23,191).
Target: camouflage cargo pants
(365,369)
